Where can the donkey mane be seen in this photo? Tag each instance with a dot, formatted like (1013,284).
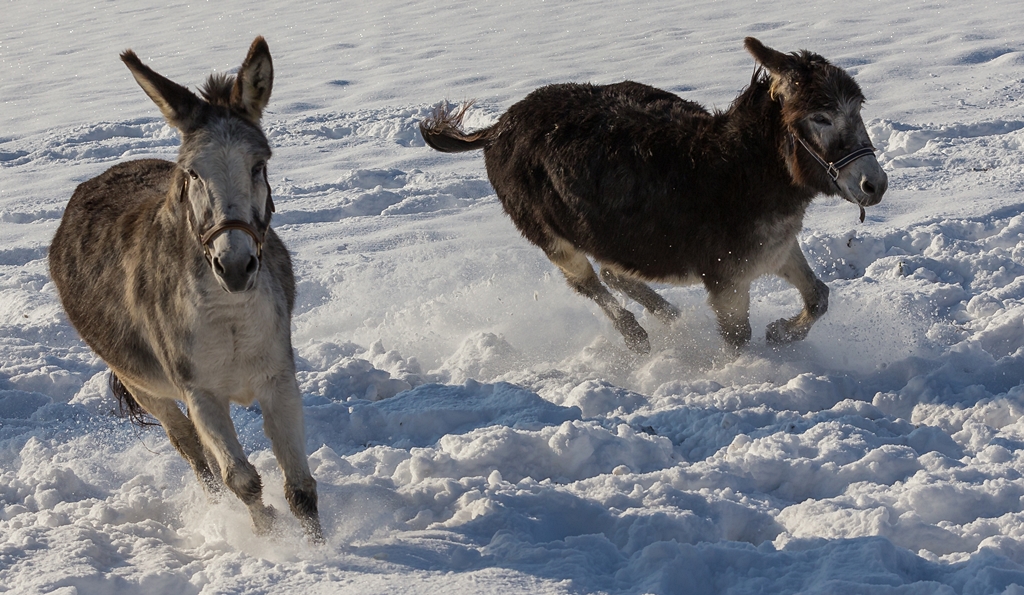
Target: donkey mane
(756,92)
(221,92)
(217,89)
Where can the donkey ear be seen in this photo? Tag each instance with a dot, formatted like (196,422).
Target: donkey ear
(178,105)
(782,67)
(775,61)
(254,81)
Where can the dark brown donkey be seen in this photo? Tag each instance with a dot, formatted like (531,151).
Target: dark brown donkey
(171,273)
(656,188)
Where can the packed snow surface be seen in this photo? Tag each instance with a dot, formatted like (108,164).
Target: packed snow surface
(474,426)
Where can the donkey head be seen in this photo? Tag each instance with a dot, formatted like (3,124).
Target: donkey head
(829,148)
(223,159)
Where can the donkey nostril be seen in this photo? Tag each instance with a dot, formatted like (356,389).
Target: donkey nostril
(254,264)
(867,187)
(218,267)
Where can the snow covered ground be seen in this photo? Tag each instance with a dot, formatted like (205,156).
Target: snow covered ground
(473,425)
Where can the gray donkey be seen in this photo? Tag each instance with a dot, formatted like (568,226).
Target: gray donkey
(171,273)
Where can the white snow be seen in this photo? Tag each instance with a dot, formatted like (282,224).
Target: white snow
(473,425)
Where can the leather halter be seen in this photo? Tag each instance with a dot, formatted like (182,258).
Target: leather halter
(832,167)
(228,224)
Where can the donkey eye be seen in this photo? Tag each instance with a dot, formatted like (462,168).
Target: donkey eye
(192,174)
(821,120)
(258,168)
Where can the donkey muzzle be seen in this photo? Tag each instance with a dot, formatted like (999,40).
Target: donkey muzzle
(864,182)
(234,269)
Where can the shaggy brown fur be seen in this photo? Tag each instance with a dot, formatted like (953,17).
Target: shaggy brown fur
(656,188)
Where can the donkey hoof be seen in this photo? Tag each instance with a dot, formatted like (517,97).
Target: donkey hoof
(638,343)
(782,331)
(776,332)
(636,339)
(634,334)
(313,531)
(667,313)
(212,485)
(263,518)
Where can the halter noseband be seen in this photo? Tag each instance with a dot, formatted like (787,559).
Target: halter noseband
(832,168)
(230,224)
(257,236)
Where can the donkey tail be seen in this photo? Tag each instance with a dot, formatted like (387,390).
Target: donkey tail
(127,405)
(443,130)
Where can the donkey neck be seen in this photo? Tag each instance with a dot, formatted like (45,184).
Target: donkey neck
(755,130)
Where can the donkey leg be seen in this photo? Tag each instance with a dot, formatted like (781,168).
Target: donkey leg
(814,293)
(581,277)
(182,435)
(642,294)
(283,424)
(731,303)
(215,474)
(212,419)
